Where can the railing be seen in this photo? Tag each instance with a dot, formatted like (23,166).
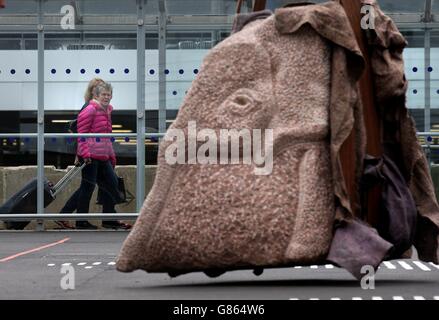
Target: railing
(68,216)
(73,216)
(123,216)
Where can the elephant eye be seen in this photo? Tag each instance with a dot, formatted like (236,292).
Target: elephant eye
(242,104)
(241,101)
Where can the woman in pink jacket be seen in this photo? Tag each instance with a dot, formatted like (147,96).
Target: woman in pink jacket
(99,156)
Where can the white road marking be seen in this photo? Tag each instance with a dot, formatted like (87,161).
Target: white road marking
(373,298)
(421,266)
(111,263)
(405,265)
(88,267)
(389,265)
(329,266)
(314,267)
(298,267)
(434,265)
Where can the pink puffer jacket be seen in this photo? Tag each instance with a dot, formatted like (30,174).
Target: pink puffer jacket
(95,119)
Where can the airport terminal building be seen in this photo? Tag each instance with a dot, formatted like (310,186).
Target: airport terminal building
(150,51)
(283,154)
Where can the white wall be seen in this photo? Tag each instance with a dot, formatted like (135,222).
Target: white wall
(65,91)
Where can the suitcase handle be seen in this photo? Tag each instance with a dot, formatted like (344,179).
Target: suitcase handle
(66,179)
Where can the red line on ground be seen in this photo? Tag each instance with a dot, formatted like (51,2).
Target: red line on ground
(34,250)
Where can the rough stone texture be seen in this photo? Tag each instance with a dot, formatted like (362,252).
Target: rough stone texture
(224,216)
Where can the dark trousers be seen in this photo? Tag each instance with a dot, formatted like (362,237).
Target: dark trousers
(97,172)
(72,203)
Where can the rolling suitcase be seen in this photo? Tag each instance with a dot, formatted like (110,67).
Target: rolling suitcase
(25,200)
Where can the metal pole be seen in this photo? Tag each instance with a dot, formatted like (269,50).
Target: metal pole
(217,7)
(68,216)
(140,182)
(162,66)
(427,62)
(40,117)
(427,111)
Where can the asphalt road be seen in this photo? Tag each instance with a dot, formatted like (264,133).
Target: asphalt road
(31,265)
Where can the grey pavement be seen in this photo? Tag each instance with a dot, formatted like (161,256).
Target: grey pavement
(27,274)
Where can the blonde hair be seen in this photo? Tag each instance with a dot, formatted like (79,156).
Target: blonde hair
(89,93)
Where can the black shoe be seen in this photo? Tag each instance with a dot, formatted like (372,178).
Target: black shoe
(85,225)
(116,225)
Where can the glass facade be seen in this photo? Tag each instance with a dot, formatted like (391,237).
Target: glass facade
(151,52)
